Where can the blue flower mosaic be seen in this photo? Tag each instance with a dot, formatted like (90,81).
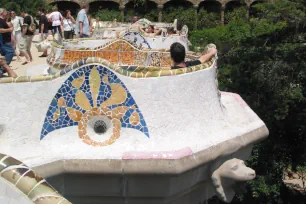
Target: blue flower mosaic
(93,91)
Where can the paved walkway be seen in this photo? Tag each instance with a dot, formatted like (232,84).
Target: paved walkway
(21,70)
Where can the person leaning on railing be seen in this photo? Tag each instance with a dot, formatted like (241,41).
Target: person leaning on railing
(178,54)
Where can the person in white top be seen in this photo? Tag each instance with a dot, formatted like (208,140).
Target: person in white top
(68,24)
(17,22)
(57,21)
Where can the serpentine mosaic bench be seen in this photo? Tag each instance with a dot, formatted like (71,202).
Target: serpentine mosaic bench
(120,52)
(103,133)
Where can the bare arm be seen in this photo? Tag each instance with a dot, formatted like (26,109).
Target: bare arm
(81,28)
(42,28)
(10,25)
(72,19)
(141,29)
(6,30)
(90,25)
(206,57)
(61,19)
(24,29)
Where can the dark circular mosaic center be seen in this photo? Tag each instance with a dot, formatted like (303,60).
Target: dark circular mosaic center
(100,127)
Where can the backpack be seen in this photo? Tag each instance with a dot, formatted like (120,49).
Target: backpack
(33,25)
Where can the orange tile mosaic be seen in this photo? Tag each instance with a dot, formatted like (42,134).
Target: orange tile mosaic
(127,57)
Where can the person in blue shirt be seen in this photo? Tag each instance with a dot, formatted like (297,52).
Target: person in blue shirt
(82,23)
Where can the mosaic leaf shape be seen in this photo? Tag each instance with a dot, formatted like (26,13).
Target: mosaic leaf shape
(93,90)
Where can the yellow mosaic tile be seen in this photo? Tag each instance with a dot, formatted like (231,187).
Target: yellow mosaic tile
(77,83)
(95,81)
(82,100)
(135,118)
(118,95)
(74,114)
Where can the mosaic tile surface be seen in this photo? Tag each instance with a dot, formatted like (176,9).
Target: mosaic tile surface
(119,52)
(138,39)
(91,92)
(36,188)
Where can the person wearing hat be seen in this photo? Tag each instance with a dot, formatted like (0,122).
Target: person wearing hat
(6,47)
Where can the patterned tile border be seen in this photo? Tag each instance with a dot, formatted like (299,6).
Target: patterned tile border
(74,41)
(28,181)
(129,71)
(138,71)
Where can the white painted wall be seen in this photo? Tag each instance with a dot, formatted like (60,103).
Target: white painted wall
(180,111)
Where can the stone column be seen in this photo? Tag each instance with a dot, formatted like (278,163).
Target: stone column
(81,3)
(222,14)
(122,8)
(196,6)
(248,12)
(160,12)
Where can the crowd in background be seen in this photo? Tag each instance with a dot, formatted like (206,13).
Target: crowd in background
(17,32)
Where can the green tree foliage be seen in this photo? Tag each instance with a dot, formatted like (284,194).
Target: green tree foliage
(208,19)
(108,15)
(30,6)
(263,59)
(188,16)
(237,13)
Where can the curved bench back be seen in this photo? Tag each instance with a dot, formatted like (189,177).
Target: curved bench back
(28,182)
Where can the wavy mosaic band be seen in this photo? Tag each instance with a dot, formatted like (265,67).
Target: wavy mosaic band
(29,182)
(133,49)
(121,52)
(130,71)
(75,41)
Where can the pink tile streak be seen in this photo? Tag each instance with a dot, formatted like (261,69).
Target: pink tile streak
(237,98)
(158,155)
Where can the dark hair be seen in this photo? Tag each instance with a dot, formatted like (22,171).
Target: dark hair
(177,52)
(179,25)
(66,13)
(42,10)
(151,26)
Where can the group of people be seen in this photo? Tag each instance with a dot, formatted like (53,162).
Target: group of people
(17,32)
(67,26)
(16,35)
